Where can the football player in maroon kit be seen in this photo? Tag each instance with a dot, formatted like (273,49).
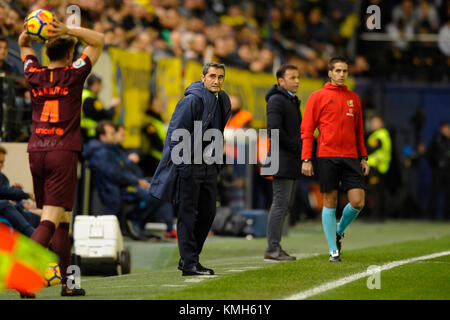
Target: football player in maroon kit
(56,139)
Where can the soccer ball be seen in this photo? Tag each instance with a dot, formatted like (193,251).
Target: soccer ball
(52,275)
(37,24)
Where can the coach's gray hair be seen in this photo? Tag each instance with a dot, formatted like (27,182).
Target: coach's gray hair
(214,65)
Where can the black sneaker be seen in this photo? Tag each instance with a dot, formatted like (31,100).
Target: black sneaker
(27,296)
(197,270)
(281,256)
(339,241)
(66,292)
(334,256)
(180,264)
(207,270)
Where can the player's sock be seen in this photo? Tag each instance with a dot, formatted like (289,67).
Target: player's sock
(348,215)
(61,246)
(44,233)
(329,226)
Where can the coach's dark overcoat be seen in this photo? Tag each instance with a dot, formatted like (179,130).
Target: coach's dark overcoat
(198,104)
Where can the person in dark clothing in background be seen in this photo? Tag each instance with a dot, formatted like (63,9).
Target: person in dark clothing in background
(153,209)
(193,186)
(438,155)
(9,212)
(93,109)
(110,174)
(283,114)
(154,131)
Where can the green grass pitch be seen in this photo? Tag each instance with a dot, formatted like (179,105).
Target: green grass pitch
(241,273)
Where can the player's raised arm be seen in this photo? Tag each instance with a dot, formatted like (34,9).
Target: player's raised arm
(25,45)
(94,39)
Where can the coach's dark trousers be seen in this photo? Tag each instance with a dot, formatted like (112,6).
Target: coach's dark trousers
(196,211)
(283,196)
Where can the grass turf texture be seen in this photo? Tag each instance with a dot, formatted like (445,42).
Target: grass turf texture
(242,274)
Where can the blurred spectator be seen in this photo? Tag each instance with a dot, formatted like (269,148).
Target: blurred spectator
(360,67)
(404,12)
(4,65)
(14,21)
(425,12)
(444,39)
(9,210)
(232,176)
(379,151)
(3,16)
(316,26)
(93,109)
(438,155)
(154,135)
(400,33)
(150,208)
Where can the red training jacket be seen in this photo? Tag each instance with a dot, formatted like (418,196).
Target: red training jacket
(336,112)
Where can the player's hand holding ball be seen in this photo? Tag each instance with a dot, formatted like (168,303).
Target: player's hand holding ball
(57,29)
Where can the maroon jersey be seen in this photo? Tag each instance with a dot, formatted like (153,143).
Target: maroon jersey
(56,99)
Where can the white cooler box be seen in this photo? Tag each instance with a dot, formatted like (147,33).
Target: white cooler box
(98,244)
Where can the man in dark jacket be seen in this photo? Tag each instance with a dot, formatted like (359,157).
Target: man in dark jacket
(439,159)
(283,114)
(193,187)
(108,168)
(9,212)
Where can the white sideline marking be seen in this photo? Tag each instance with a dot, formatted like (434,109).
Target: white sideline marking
(340,282)
(200,278)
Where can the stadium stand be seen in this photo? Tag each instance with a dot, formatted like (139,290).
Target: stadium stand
(402,67)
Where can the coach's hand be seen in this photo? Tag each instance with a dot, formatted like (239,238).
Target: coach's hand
(307,169)
(365,167)
(144,184)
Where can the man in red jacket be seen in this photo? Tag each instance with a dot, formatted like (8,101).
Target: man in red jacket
(342,156)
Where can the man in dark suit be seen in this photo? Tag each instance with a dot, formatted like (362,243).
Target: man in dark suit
(191,184)
(283,114)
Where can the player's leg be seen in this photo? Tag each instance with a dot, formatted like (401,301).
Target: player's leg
(329,175)
(50,218)
(61,242)
(352,209)
(353,182)
(62,247)
(50,215)
(329,218)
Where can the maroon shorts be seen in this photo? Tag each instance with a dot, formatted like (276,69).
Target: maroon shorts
(54,177)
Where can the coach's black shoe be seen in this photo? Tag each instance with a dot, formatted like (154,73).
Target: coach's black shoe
(203,269)
(334,256)
(198,270)
(66,292)
(339,241)
(180,264)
